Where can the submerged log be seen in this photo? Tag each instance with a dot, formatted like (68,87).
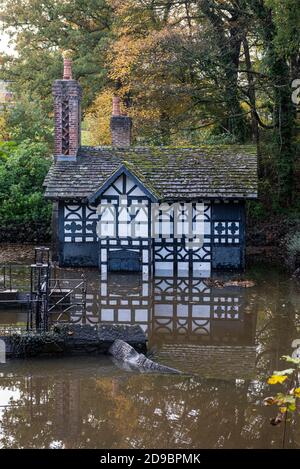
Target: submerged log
(127,355)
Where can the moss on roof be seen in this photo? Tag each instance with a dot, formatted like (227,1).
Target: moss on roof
(169,172)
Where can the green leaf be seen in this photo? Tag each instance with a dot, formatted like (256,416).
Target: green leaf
(291,407)
(289,371)
(289,359)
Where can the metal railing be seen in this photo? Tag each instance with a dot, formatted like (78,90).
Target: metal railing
(37,290)
(14,277)
(71,301)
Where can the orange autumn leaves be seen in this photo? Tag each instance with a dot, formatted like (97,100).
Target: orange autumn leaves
(274,379)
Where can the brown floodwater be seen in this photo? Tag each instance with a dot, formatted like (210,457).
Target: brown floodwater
(227,340)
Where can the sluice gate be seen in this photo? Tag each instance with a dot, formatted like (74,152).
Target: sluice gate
(38,291)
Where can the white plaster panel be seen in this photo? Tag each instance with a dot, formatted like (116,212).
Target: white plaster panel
(141,315)
(107,314)
(124,315)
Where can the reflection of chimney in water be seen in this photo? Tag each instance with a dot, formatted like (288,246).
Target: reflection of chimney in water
(115,387)
(67,410)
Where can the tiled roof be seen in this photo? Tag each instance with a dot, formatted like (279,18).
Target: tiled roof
(170,173)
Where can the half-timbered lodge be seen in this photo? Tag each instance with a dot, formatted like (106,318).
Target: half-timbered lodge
(149,209)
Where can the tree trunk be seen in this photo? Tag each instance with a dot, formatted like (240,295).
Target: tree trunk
(229,42)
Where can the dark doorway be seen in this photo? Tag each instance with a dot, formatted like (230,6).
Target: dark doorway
(124,260)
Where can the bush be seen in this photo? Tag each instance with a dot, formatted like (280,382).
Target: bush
(6,150)
(28,120)
(23,169)
(220,139)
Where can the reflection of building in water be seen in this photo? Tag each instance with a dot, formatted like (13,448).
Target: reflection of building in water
(121,299)
(184,308)
(188,308)
(67,408)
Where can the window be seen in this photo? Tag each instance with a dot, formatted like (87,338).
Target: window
(226,232)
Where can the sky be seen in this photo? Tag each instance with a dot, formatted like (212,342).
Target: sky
(4,43)
(6,48)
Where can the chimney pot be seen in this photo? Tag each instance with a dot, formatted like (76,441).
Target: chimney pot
(67,69)
(120,125)
(116,106)
(67,114)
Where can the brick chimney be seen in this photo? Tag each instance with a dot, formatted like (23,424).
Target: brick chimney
(67,114)
(120,125)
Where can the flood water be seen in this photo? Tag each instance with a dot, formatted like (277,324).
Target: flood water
(228,341)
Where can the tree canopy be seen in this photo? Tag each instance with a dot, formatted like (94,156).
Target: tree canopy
(188,71)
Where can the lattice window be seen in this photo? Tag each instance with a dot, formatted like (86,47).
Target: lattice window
(226,232)
(80,222)
(227,308)
(91,219)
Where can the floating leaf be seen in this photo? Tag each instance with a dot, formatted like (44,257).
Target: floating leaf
(289,359)
(269,400)
(274,379)
(290,399)
(283,410)
(297,392)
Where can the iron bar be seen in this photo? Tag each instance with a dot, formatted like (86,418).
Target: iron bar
(44,284)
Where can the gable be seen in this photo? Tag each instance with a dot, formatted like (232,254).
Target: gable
(123,182)
(124,185)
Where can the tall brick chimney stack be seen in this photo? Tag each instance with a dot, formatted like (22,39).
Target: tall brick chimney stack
(67,114)
(120,125)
